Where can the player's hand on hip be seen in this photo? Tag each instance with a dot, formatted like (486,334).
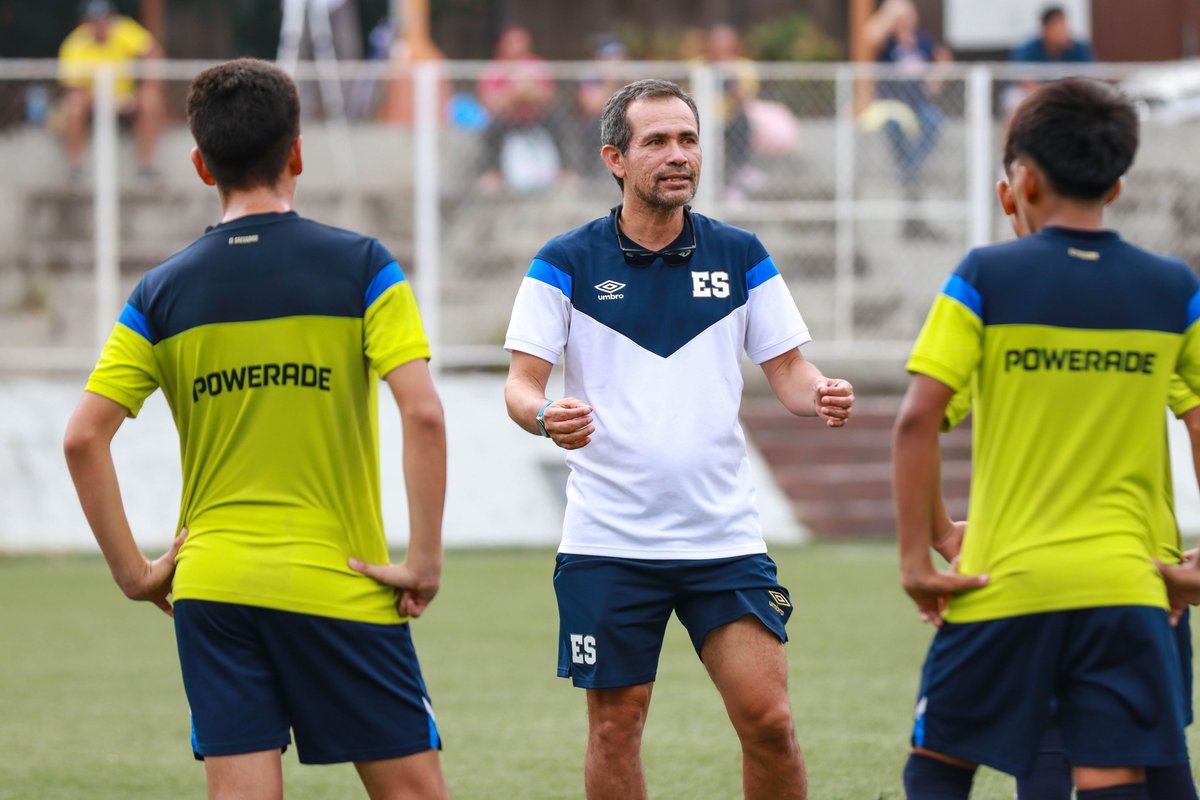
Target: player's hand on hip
(153,585)
(569,423)
(1183,585)
(834,399)
(415,587)
(931,590)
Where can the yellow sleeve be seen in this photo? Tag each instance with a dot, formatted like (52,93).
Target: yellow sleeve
(393,334)
(126,372)
(132,39)
(1187,364)
(957,409)
(1181,399)
(950,345)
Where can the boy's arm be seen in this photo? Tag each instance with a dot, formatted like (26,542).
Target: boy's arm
(418,577)
(917,479)
(87,446)
(947,533)
(1183,581)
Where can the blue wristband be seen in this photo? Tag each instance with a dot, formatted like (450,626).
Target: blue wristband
(541,422)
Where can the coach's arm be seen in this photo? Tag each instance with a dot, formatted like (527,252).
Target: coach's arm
(568,421)
(805,392)
(88,448)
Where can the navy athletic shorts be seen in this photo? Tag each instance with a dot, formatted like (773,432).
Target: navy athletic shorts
(613,612)
(1114,672)
(1183,641)
(350,691)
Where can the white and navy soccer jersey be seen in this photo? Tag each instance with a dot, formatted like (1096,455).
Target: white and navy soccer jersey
(656,352)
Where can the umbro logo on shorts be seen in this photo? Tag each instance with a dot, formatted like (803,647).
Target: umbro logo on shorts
(778,601)
(610,290)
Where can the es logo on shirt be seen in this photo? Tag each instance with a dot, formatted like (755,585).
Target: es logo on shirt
(710,284)
(583,649)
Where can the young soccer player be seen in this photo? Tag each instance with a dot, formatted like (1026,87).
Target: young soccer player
(268,336)
(1070,337)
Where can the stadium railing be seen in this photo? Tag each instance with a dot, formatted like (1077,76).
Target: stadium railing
(826,163)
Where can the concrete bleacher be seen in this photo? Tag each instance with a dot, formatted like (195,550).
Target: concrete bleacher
(837,482)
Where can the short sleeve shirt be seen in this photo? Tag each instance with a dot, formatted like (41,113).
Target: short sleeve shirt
(656,351)
(268,337)
(1071,338)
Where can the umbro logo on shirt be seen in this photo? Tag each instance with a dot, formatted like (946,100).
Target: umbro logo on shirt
(609,290)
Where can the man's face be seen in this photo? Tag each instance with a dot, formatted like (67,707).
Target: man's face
(1056,35)
(100,26)
(662,165)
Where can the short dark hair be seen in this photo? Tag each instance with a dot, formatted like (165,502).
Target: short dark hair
(614,120)
(1080,132)
(1051,13)
(244,115)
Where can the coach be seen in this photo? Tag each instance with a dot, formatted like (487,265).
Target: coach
(651,308)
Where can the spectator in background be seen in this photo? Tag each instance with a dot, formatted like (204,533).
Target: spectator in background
(739,82)
(911,117)
(516,89)
(594,90)
(106,38)
(1054,45)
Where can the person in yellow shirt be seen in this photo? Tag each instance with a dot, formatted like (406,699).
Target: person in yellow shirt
(269,337)
(1057,594)
(106,38)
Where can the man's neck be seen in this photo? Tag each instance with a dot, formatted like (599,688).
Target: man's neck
(259,200)
(652,228)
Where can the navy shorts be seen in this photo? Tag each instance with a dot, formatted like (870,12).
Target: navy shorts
(1114,672)
(1183,642)
(350,691)
(613,612)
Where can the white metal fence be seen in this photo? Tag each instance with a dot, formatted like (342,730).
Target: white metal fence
(866,197)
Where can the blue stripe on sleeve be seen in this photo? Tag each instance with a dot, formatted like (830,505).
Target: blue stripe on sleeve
(134,320)
(964,293)
(547,273)
(1193,311)
(385,279)
(760,273)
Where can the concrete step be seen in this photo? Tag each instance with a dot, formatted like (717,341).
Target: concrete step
(840,479)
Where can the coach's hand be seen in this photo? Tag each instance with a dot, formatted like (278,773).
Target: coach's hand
(416,586)
(153,582)
(834,399)
(569,423)
(931,589)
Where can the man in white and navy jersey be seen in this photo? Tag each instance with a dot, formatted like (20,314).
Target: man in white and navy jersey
(651,308)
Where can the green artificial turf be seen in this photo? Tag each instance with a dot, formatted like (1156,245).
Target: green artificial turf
(91,703)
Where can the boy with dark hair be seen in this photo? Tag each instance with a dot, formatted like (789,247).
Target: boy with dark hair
(1057,594)
(268,336)
(1050,777)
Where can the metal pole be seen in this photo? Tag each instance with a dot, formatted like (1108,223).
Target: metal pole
(844,160)
(105,200)
(426,192)
(980,159)
(712,131)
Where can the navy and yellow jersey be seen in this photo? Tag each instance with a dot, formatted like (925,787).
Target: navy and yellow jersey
(268,336)
(1071,338)
(1167,539)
